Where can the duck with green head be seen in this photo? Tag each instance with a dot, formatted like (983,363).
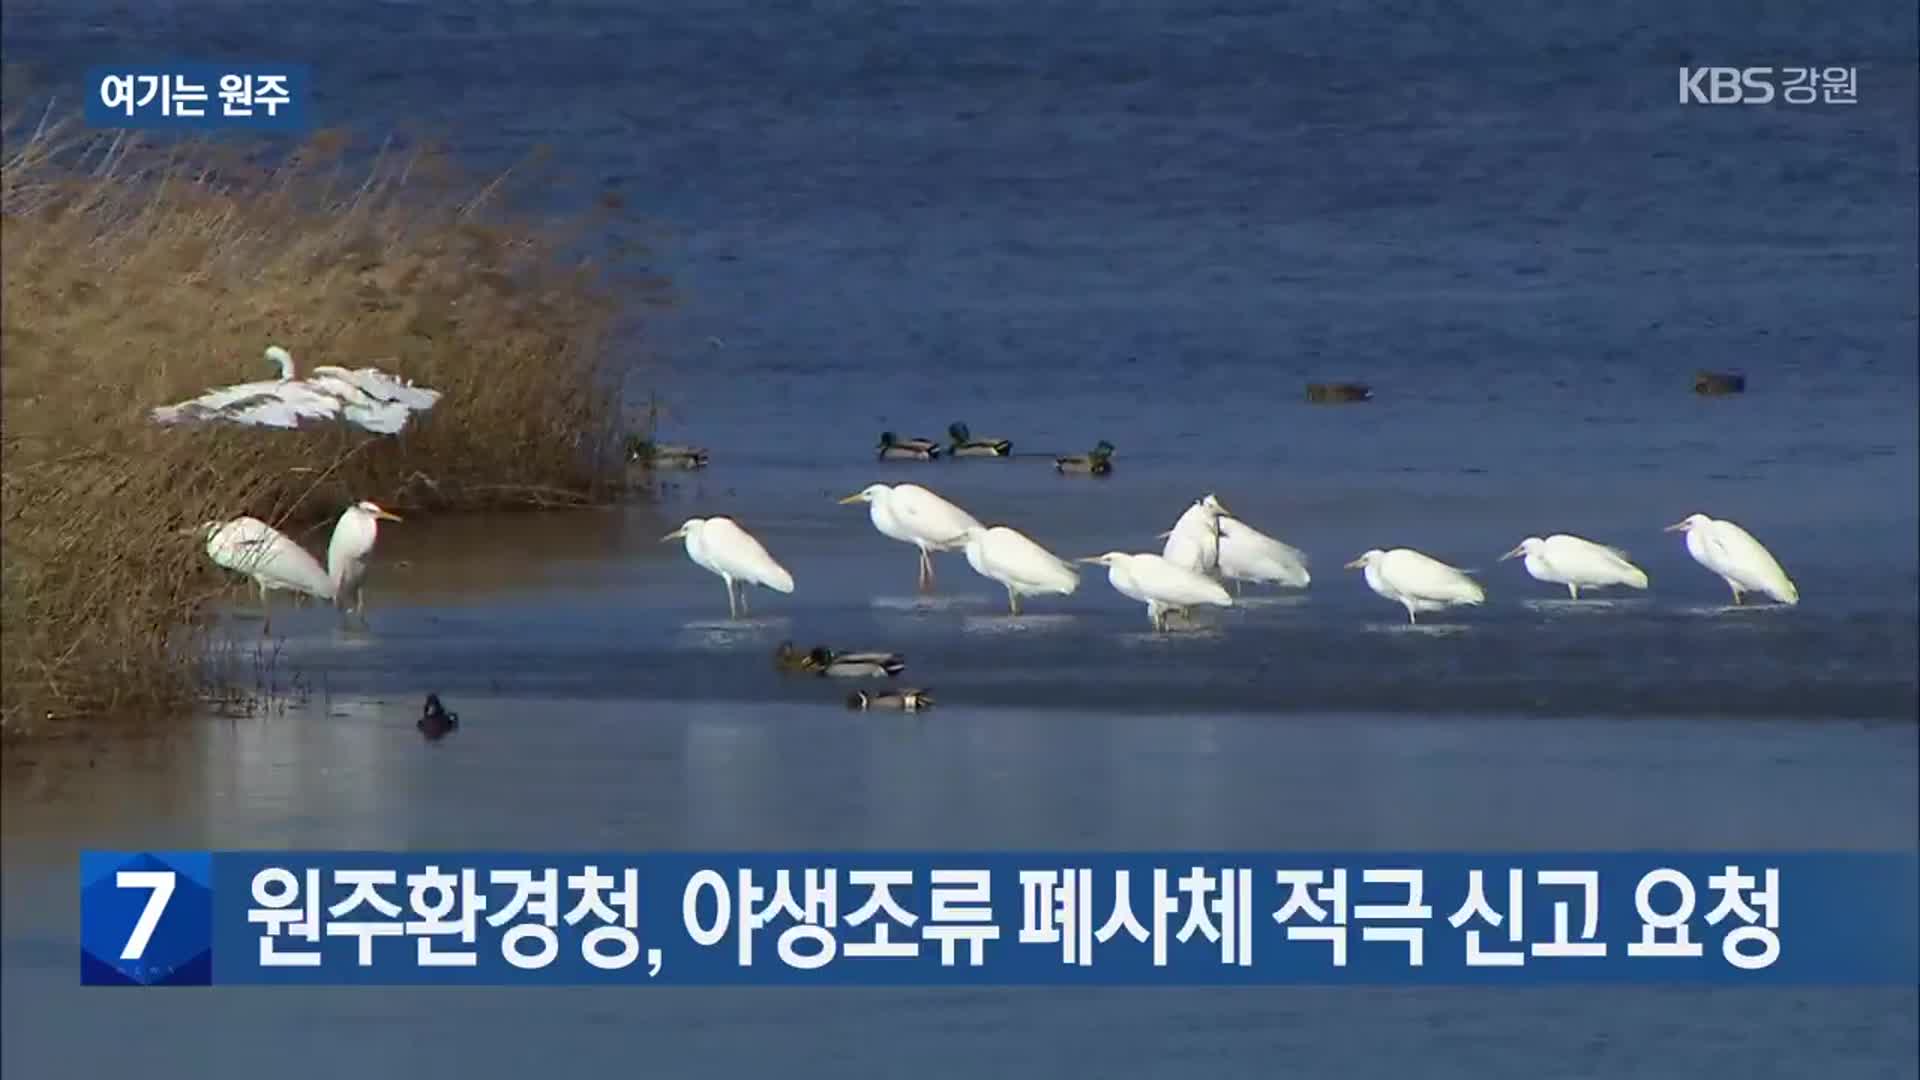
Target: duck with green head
(965,445)
(894,448)
(824,661)
(658,455)
(1095,462)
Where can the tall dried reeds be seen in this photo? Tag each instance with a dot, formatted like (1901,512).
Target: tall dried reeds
(137,276)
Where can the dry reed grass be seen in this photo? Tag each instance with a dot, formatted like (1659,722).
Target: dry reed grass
(137,276)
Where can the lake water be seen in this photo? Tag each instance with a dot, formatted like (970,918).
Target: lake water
(1150,223)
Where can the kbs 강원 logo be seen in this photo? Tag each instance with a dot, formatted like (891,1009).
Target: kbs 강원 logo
(1757,86)
(146,918)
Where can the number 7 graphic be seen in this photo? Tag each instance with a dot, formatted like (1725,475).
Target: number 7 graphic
(161,882)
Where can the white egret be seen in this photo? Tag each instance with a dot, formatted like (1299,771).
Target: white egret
(275,561)
(1160,584)
(272,559)
(1194,540)
(1417,582)
(366,397)
(1024,567)
(1739,559)
(1247,554)
(347,552)
(719,546)
(1577,563)
(914,515)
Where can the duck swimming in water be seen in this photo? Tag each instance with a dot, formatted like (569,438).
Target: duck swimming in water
(658,455)
(435,721)
(965,445)
(824,661)
(905,700)
(1095,462)
(894,448)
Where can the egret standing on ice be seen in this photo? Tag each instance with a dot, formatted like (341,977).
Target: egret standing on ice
(347,552)
(1576,563)
(1194,540)
(1018,563)
(1739,559)
(1417,582)
(1247,554)
(1161,585)
(914,515)
(719,546)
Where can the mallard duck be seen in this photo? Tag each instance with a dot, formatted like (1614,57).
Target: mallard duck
(894,448)
(1713,383)
(1095,462)
(821,660)
(1328,393)
(857,665)
(965,445)
(788,658)
(657,455)
(907,700)
(435,721)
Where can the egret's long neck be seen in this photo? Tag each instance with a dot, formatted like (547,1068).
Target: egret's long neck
(285,363)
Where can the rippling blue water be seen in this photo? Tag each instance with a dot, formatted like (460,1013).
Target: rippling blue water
(1153,223)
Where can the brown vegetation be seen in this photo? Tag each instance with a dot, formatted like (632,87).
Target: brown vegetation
(137,276)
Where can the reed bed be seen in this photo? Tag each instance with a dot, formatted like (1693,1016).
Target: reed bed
(141,275)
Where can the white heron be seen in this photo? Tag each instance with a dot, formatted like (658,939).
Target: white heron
(720,546)
(1577,563)
(914,515)
(1160,584)
(1024,567)
(348,551)
(1247,554)
(1194,540)
(366,397)
(1740,560)
(1417,582)
(274,560)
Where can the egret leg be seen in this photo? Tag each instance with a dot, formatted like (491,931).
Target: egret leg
(744,587)
(733,605)
(1013,601)
(926,571)
(266,611)
(1239,587)
(1411,621)
(1573,590)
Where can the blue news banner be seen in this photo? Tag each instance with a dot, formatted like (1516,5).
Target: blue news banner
(196,918)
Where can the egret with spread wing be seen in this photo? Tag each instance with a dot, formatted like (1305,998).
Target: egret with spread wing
(1577,563)
(1740,560)
(721,547)
(914,515)
(367,397)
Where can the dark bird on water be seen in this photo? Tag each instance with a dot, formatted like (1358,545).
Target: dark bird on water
(824,661)
(906,700)
(1325,393)
(965,445)
(1714,383)
(435,721)
(894,448)
(1095,462)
